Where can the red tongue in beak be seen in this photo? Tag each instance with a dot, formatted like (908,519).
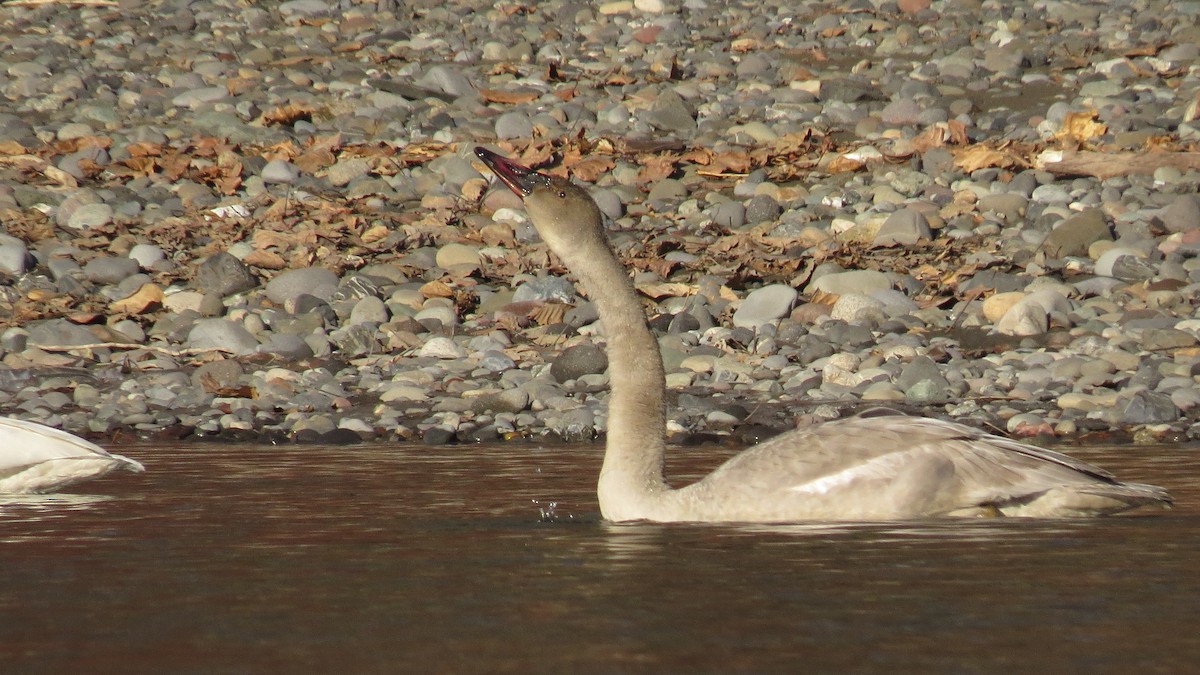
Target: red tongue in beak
(520,179)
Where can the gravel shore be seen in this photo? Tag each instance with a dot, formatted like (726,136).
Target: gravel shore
(264,222)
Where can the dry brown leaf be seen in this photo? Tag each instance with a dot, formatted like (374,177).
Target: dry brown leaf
(660,289)
(549,313)
(267,260)
(841,163)
(743,45)
(375,233)
(981,157)
(144,299)
(436,289)
(286,114)
(1081,126)
(820,297)
(656,167)
(588,169)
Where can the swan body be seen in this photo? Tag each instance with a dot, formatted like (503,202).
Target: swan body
(880,465)
(36,459)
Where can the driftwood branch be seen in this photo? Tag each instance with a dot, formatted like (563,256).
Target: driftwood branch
(1108,164)
(39,3)
(191,351)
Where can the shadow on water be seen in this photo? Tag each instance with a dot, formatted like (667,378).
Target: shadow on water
(494,559)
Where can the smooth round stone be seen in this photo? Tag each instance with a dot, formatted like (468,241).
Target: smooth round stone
(109,269)
(222,334)
(762,209)
(901,113)
(1023,319)
(1182,214)
(854,281)
(577,361)
(765,305)
(443,315)
(1123,263)
(303,7)
(346,170)
(279,171)
(730,214)
(291,284)
(545,289)
(403,392)
(452,255)
(440,347)
(14,256)
(904,227)
(287,345)
(194,98)
(90,216)
(998,304)
(73,130)
(882,391)
(514,125)
(222,274)
(447,79)
(146,255)
(369,310)
(496,361)
(857,308)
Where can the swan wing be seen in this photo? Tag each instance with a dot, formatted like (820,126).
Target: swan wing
(894,466)
(38,458)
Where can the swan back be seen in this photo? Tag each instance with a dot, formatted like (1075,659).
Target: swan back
(35,458)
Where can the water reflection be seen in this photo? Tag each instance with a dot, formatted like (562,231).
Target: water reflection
(494,559)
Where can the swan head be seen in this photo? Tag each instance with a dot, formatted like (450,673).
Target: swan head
(560,210)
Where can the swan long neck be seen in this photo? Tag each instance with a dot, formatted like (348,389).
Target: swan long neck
(631,480)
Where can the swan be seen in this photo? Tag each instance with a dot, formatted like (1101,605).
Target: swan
(879,465)
(36,459)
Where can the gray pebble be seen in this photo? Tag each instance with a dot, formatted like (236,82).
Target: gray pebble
(288,285)
(109,269)
(765,305)
(89,216)
(222,274)
(280,171)
(222,334)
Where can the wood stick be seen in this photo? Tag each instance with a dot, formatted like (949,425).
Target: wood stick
(1108,164)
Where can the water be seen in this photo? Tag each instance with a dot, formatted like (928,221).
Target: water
(383,560)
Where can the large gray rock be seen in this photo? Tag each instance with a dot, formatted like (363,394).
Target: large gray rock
(904,227)
(222,274)
(1183,214)
(1074,235)
(291,284)
(765,305)
(222,334)
(575,362)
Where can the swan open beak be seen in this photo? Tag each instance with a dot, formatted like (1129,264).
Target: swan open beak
(520,179)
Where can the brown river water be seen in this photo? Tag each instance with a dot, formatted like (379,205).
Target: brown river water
(493,559)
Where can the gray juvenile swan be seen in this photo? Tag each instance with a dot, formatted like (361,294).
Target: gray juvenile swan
(880,466)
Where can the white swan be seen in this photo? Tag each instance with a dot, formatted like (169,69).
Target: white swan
(876,466)
(36,459)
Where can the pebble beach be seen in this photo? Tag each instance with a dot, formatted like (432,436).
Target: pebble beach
(264,222)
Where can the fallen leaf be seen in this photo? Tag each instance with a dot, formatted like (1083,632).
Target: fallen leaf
(1081,126)
(982,156)
(267,260)
(658,290)
(144,299)
(436,289)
